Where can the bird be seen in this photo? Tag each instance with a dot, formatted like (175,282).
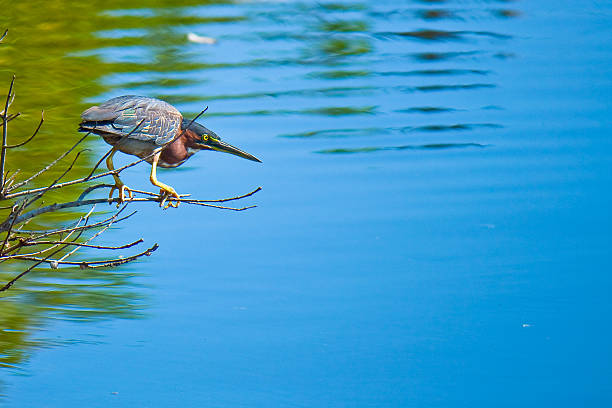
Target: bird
(154,130)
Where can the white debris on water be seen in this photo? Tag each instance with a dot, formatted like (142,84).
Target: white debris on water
(200,39)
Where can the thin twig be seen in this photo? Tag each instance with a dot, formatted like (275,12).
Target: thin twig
(12,281)
(11,117)
(18,247)
(16,278)
(36,190)
(223,200)
(13,217)
(102,223)
(98,164)
(72,182)
(131,244)
(154,198)
(8,181)
(4,132)
(42,119)
(90,264)
(22,240)
(53,208)
(92,188)
(107,226)
(37,197)
(38,262)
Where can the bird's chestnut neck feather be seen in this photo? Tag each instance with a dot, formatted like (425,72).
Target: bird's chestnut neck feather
(180,150)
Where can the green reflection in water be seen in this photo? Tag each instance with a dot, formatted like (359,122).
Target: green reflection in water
(346,46)
(432,146)
(341,133)
(342,6)
(344,26)
(346,74)
(327,111)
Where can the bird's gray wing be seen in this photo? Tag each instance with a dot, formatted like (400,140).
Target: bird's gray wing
(160,120)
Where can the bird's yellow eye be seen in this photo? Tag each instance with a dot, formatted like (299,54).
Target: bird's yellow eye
(204,137)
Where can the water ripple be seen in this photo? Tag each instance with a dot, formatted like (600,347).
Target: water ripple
(432,146)
(442,35)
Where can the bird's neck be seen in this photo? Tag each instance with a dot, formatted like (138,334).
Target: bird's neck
(179,150)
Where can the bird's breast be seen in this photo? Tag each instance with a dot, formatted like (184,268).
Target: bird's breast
(134,147)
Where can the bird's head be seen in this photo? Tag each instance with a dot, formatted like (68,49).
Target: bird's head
(205,139)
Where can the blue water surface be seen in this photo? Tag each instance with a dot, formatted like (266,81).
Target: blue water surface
(433,229)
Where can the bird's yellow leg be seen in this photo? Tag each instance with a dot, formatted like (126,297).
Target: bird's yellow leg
(166,191)
(119,186)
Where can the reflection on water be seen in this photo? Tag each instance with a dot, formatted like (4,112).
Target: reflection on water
(338,87)
(433,146)
(68,294)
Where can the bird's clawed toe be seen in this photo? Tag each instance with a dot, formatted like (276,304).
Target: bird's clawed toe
(123,192)
(168,197)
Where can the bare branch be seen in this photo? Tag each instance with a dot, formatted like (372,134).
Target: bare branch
(4,35)
(98,164)
(89,264)
(42,234)
(42,119)
(194,201)
(53,208)
(18,247)
(37,197)
(23,241)
(36,190)
(4,130)
(92,188)
(153,198)
(107,226)
(38,262)
(12,217)
(22,274)
(131,244)
(223,200)
(11,117)
(8,181)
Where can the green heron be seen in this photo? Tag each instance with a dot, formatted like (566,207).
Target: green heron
(153,129)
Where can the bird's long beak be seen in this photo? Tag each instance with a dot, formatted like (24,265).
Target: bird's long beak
(221,146)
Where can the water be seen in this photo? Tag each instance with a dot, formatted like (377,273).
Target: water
(432,229)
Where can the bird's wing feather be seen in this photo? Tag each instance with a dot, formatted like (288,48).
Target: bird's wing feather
(160,120)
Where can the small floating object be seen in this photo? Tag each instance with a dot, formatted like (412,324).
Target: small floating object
(200,39)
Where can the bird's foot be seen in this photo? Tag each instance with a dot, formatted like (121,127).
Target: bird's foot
(122,189)
(168,198)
